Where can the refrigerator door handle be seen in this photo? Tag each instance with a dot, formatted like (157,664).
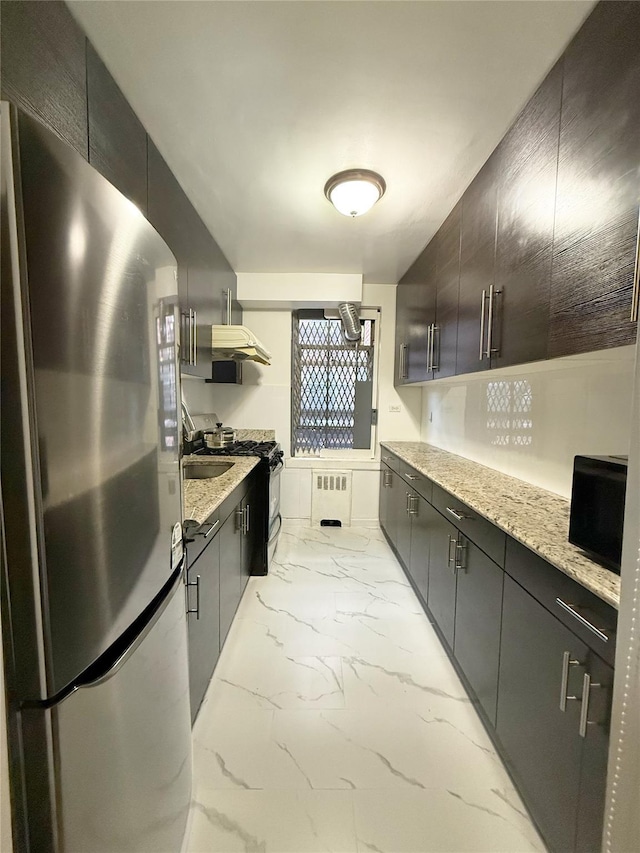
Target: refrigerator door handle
(108,664)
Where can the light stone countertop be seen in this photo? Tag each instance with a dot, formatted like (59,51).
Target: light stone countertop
(255,435)
(201,497)
(535,517)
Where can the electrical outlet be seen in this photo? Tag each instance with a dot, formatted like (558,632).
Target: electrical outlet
(395,409)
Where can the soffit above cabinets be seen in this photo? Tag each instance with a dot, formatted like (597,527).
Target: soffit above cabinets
(255,104)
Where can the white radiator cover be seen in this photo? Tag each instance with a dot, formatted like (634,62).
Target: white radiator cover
(331,496)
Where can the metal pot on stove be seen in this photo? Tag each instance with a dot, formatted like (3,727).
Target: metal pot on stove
(222,436)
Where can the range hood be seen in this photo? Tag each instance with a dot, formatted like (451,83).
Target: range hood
(238,344)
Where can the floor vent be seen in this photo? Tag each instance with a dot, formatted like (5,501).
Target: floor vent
(330,522)
(331,498)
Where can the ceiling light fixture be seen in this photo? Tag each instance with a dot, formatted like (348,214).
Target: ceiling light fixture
(354,191)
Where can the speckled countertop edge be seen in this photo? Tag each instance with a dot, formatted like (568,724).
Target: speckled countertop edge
(535,517)
(202,497)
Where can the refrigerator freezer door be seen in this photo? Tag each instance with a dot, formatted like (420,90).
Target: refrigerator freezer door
(124,748)
(100,288)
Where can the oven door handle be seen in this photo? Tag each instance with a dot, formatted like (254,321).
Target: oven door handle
(278,467)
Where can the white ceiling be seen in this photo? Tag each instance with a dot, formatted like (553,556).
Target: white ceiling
(255,104)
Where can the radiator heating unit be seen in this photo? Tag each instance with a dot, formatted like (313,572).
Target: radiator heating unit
(331,497)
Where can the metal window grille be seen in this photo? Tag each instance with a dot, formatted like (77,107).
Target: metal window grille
(332,386)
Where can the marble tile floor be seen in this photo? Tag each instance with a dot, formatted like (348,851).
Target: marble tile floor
(335,722)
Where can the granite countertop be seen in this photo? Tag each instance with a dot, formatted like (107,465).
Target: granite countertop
(535,517)
(201,497)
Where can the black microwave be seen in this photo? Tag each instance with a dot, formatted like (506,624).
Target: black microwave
(597,507)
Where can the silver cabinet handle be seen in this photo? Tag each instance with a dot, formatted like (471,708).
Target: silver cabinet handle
(570,608)
(191,336)
(435,363)
(386,480)
(492,295)
(452,557)
(228,296)
(195,338)
(567,661)
(413,507)
(212,528)
(587,687)
(185,341)
(429,331)
(459,516)
(460,552)
(247,511)
(408,502)
(197,586)
(482,302)
(386,458)
(240,519)
(635,295)
(411,477)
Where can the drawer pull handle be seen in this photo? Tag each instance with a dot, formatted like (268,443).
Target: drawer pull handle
(459,516)
(587,686)
(567,661)
(569,608)
(197,586)
(212,528)
(411,477)
(452,557)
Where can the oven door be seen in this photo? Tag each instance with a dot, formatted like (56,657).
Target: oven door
(275,519)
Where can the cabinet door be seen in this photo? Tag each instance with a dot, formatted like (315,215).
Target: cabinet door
(401,498)
(44,67)
(204,624)
(477,267)
(395,485)
(205,298)
(441,593)
(597,196)
(403,317)
(419,312)
(542,742)
(230,570)
(385,476)
(447,242)
(527,169)
(117,139)
(478,619)
(595,753)
(252,536)
(423,521)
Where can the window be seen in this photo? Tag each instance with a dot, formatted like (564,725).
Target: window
(332,385)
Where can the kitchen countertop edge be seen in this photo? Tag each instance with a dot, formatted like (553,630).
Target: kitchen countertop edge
(533,516)
(202,497)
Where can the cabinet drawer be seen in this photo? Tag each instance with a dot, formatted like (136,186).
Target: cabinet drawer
(389,459)
(486,535)
(198,540)
(421,484)
(548,584)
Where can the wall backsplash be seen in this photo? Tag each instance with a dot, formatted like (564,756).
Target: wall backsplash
(530,421)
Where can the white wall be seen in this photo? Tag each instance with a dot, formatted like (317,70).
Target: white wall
(579,405)
(263,401)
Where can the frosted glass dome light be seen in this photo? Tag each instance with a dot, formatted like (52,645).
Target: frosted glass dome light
(355,191)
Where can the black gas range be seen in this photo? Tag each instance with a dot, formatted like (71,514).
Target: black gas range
(267,515)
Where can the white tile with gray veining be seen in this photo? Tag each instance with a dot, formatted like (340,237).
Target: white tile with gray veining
(535,517)
(335,722)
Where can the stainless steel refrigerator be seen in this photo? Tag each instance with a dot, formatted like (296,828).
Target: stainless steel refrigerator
(95,640)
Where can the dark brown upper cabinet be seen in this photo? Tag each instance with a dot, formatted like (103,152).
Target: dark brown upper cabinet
(598,184)
(415,315)
(527,166)
(43,68)
(117,139)
(477,324)
(445,333)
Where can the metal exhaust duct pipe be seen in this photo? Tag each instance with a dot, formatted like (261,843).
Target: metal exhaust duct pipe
(350,317)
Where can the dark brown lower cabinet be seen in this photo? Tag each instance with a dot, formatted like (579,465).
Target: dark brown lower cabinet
(423,520)
(203,614)
(386,475)
(231,585)
(562,773)
(401,495)
(477,623)
(441,598)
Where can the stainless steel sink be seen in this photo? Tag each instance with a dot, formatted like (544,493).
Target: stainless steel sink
(205,471)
